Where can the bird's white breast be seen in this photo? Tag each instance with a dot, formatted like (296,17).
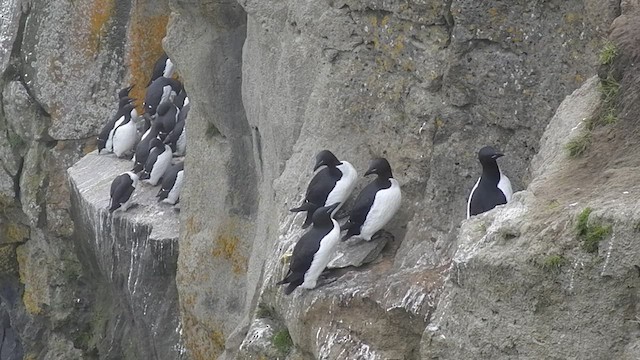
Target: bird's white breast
(505,186)
(322,256)
(174,194)
(385,204)
(344,186)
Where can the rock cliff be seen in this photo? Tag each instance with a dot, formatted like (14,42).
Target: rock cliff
(423,83)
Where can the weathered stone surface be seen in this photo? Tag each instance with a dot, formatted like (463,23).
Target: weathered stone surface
(133,256)
(24,118)
(357,253)
(9,24)
(74,78)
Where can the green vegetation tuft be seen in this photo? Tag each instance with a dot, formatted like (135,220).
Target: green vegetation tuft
(608,53)
(282,341)
(590,235)
(554,262)
(578,145)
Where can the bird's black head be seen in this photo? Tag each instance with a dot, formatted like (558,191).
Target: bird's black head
(326,157)
(381,167)
(322,216)
(125,91)
(163,108)
(488,155)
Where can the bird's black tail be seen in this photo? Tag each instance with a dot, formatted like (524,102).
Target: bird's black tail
(306,206)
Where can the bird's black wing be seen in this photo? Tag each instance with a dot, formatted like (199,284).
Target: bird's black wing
(169,178)
(321,185)
(361,206)
(121,189)
(158,68)
(306,248)
(151,159)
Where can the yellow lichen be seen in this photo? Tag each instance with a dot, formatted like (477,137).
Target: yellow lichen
(226,247)
(15,233)
(101,12)
(30,302)
(145,38)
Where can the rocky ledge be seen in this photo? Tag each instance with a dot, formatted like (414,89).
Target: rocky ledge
(132,257)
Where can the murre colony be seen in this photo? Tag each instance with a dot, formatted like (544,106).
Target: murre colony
(156,140)
(372,209)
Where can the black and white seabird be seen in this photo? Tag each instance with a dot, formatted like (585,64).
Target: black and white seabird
(172,184)
(167,116)
(124,134)
(161,89)
(332,184)
(376,204)
(313,251)
(144,147)
(493,188)
(157,163)
(162,68)
(122,189)
(106,134)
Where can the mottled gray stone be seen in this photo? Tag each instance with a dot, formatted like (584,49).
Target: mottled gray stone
(358,252)
(74,78)
(258,341)
(9,24)
(24,118)
(132,254)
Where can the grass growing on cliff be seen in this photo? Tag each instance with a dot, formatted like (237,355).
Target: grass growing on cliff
(590,234)
(578,145)
(608,53)
(554,262)
(282,341)
(609,89)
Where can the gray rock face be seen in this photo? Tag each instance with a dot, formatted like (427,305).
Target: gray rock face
(74,78)
(424,85)
(133,255)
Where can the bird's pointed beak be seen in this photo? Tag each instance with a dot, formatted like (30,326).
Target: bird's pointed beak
(497,155)
(318,164)
(371,170)
(333,207)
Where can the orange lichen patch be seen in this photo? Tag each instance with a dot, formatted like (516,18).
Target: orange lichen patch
(227,247)
(145,39)
(191,227)
(203,342)
(101,12)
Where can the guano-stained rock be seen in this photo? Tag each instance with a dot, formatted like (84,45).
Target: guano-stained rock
(133,255)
